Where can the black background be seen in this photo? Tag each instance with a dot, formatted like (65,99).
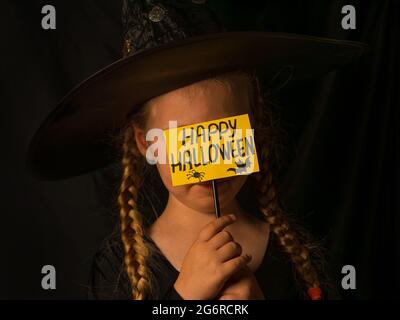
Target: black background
(342,139)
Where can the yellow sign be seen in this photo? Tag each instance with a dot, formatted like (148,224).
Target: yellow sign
(211,150)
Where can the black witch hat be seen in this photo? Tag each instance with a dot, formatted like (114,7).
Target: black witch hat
(167,44)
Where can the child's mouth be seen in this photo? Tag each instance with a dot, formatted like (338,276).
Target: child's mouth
(219,182)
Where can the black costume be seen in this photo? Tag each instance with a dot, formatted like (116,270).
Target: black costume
(110,281)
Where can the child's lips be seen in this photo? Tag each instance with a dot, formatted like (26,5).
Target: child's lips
(208,184)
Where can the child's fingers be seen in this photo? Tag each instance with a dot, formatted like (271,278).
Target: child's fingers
(228,251)
(220,239)
(232,266)
(215,226)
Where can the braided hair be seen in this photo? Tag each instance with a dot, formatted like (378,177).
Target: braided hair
(268,202)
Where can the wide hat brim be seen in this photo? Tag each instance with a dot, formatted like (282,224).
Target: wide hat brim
(74,138)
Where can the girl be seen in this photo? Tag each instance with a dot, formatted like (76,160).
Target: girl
(216,258)
(169,72)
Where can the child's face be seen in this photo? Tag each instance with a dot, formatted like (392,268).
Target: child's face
(202,101)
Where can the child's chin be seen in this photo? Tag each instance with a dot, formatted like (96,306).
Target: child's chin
(205,203)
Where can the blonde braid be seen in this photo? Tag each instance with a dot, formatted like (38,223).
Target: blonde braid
(268,202)
(131,224)
(287,237)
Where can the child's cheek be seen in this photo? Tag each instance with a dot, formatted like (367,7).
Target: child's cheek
(165,174)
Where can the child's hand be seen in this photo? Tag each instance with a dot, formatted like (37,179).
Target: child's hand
(242,286)
(211,260)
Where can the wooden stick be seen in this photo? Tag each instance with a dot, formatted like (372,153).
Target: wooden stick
(216,202)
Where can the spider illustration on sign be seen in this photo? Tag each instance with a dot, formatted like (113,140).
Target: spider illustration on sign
(195,174)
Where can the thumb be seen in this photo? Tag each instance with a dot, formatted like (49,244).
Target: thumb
(228,297)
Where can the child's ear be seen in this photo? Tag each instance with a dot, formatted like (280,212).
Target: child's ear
(140,138)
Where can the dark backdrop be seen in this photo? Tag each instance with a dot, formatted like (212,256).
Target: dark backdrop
(341,176)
